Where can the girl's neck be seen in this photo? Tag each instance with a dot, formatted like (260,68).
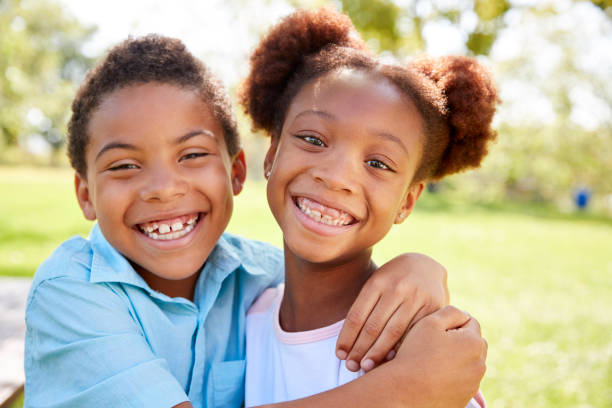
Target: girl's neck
(317,295)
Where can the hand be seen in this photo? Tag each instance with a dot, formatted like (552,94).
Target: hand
(399,294)
(444,355)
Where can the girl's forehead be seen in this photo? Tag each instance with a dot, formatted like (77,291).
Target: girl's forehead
(352,90)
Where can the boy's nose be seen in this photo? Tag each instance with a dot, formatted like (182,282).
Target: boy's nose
(337,172)
(163,185)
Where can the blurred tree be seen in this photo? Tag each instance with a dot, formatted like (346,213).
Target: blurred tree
(41,60)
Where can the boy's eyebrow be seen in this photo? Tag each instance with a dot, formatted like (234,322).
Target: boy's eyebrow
(181,139)
(193,133)
(114,145)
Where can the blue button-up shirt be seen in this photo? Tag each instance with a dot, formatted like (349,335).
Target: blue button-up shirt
(99,336)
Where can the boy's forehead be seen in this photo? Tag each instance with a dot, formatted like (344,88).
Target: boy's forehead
(151,108)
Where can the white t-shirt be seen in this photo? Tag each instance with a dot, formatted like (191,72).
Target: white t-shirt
(283,366)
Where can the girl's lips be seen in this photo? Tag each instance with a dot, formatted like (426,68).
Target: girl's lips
(319,227)
(322,213)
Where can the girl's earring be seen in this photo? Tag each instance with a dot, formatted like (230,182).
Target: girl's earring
(267,174)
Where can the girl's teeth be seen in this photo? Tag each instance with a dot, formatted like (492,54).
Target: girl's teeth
(164,229)
(338,218)
(177,226)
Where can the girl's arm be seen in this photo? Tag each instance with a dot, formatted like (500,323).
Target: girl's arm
(439,365)
(399,294)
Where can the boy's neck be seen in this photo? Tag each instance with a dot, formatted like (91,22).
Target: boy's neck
(317,295)
(184,288)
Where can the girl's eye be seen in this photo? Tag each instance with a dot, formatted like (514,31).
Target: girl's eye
(124,166)
(313,140)
(189,156)
(377,164)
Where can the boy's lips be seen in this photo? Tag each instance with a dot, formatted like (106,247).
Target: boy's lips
(323,214)
(169,228)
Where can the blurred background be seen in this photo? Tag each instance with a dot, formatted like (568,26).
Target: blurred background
(527,238)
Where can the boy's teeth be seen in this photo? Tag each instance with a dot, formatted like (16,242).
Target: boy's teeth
(171,229)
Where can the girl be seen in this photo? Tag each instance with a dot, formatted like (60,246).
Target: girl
(353,142)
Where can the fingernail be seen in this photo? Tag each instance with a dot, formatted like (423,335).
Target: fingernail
(367,364)
(390,355)
(341,354)
(352,365)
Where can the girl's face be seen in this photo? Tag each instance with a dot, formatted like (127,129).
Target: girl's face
(160,180)
(341,170)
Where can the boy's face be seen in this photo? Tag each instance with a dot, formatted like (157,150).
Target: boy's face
(159,178)
(341,171)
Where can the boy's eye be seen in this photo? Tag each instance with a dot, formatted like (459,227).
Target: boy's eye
(123,166)
(313,140)
(189,156)
(377,164)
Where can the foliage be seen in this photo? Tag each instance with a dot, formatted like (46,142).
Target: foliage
(41,60)
(514,267)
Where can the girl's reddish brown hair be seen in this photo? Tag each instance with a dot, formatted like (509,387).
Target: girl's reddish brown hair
(455,95)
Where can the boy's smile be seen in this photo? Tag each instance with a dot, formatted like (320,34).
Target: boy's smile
(341,170)
(159,179)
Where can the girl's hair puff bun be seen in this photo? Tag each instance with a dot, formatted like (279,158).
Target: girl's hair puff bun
(471,99)
(281,53)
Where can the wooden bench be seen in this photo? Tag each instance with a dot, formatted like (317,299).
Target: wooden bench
(13,293)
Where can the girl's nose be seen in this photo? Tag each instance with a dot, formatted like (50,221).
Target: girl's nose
(337,172)
(163,185)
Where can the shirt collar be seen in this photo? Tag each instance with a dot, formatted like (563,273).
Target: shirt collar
(108,265)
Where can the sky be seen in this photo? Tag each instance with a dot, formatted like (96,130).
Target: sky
(223,36)
(211,29)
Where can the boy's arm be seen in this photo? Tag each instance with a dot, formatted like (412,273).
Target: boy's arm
(439,365)
(83,348)
(397,295)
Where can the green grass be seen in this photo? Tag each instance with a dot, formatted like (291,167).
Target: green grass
(539,282)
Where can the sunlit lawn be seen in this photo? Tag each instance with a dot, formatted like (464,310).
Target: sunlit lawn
(540,286)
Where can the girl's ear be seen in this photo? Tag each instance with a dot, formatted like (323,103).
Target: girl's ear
(238,172)
(270,155)
(83,196)
(409,201)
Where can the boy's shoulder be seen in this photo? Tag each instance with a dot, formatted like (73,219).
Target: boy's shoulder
(252,252)
(72,259)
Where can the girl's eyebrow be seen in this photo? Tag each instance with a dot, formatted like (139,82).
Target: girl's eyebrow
(317,112)
(392,138)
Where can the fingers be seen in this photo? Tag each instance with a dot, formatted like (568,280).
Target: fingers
(373,328)
(385,346)
(450,318)
(355,320)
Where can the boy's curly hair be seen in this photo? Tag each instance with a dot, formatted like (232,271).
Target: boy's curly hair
(455,95)
(151,58)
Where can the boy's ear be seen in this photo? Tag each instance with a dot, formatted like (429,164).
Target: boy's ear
(238,172)
(85,201)
(269,160)
(409,201)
